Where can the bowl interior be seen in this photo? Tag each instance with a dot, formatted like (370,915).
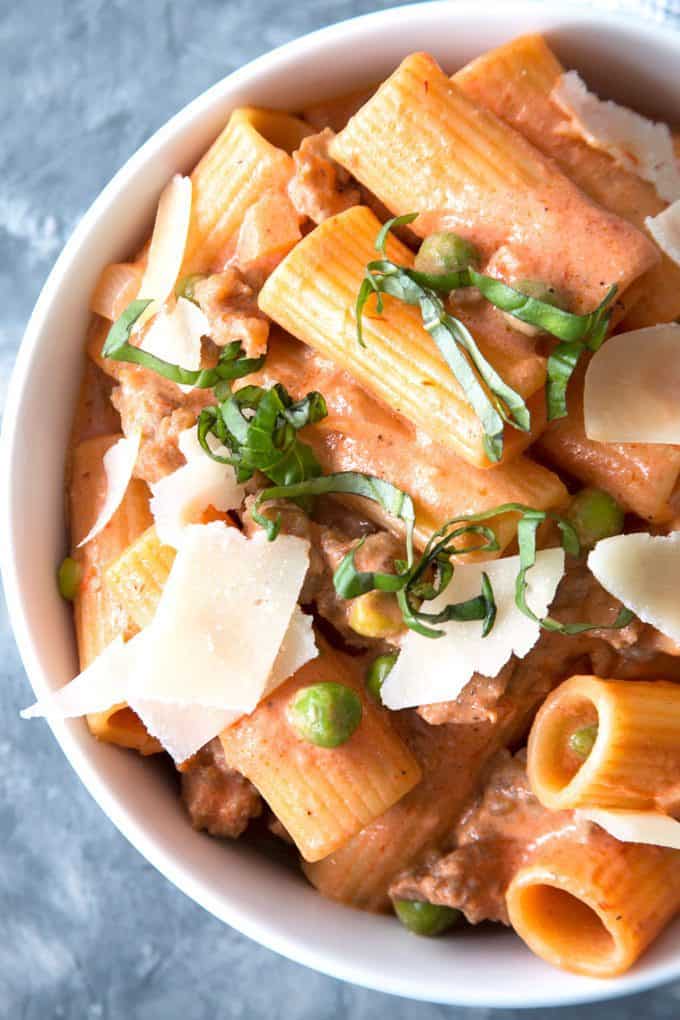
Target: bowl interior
(621,58)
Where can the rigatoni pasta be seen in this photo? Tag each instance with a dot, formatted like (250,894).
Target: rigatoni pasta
(250,159)
(99,615)
(322,800)
(328,266)
(594,913)
(421,144)
(515,82)
(634,757)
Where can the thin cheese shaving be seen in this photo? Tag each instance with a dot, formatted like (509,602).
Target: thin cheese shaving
(180,498)
(640,145)
(642,571)
(665,229)
(119,465)
(429,671)
(222,617)
(632,386)
(175,336)
(168,241)
(183,729)
(100,686)
(635,826)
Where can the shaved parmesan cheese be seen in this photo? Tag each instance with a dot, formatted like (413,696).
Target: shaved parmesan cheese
(190,447)
(642,571)
(635,826)
(184,729)
(119,464)
(97,688)
(168,241)
(175,336)
(222,617)
(297,648)
(180,498)
(632,386)
(640,145)
(429,671)
(665,229)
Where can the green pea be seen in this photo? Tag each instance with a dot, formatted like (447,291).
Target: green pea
(377,674)
(594,515)
(325,714)
(424,918)
(68,578)
(185,286)
(581,741)
(446,253)
(541,292)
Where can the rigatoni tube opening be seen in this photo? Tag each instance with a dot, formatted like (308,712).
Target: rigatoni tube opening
(605,743)
(563,929)
(593,907)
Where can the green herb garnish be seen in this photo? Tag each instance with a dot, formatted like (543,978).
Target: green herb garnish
(493,401)
(576,333)
(259,427)
(232,363)
(408,581)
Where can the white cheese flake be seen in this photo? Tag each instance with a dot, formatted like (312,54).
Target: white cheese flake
(97,688)
(642,146)
(168,243)
(180,498)
(631,388)
(642,571)
(175,336)
(184,729)
(119,465)
(635,826)
(432,670)
(222,617)
(665,229)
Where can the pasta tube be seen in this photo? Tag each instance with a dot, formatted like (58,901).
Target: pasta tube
(452,758)
(137,577)
(515,82)
(249,159)
(322,796)
(640,476)
(362,435)
(99,615)
(400,363)
(594,909)
(635,725)
(420,144)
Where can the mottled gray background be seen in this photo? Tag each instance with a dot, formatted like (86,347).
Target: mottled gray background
(88,930)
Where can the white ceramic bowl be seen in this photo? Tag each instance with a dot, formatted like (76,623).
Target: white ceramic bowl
(626,59)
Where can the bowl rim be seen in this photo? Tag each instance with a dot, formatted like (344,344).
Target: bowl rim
(286,943)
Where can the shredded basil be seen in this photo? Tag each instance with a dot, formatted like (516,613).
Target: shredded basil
(408,581)
(232,363)
(259,429)
(425,578)
(493,401)
(355,483)
(576,333)
(526,538)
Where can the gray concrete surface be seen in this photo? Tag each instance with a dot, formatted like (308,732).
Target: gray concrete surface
(88,931)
